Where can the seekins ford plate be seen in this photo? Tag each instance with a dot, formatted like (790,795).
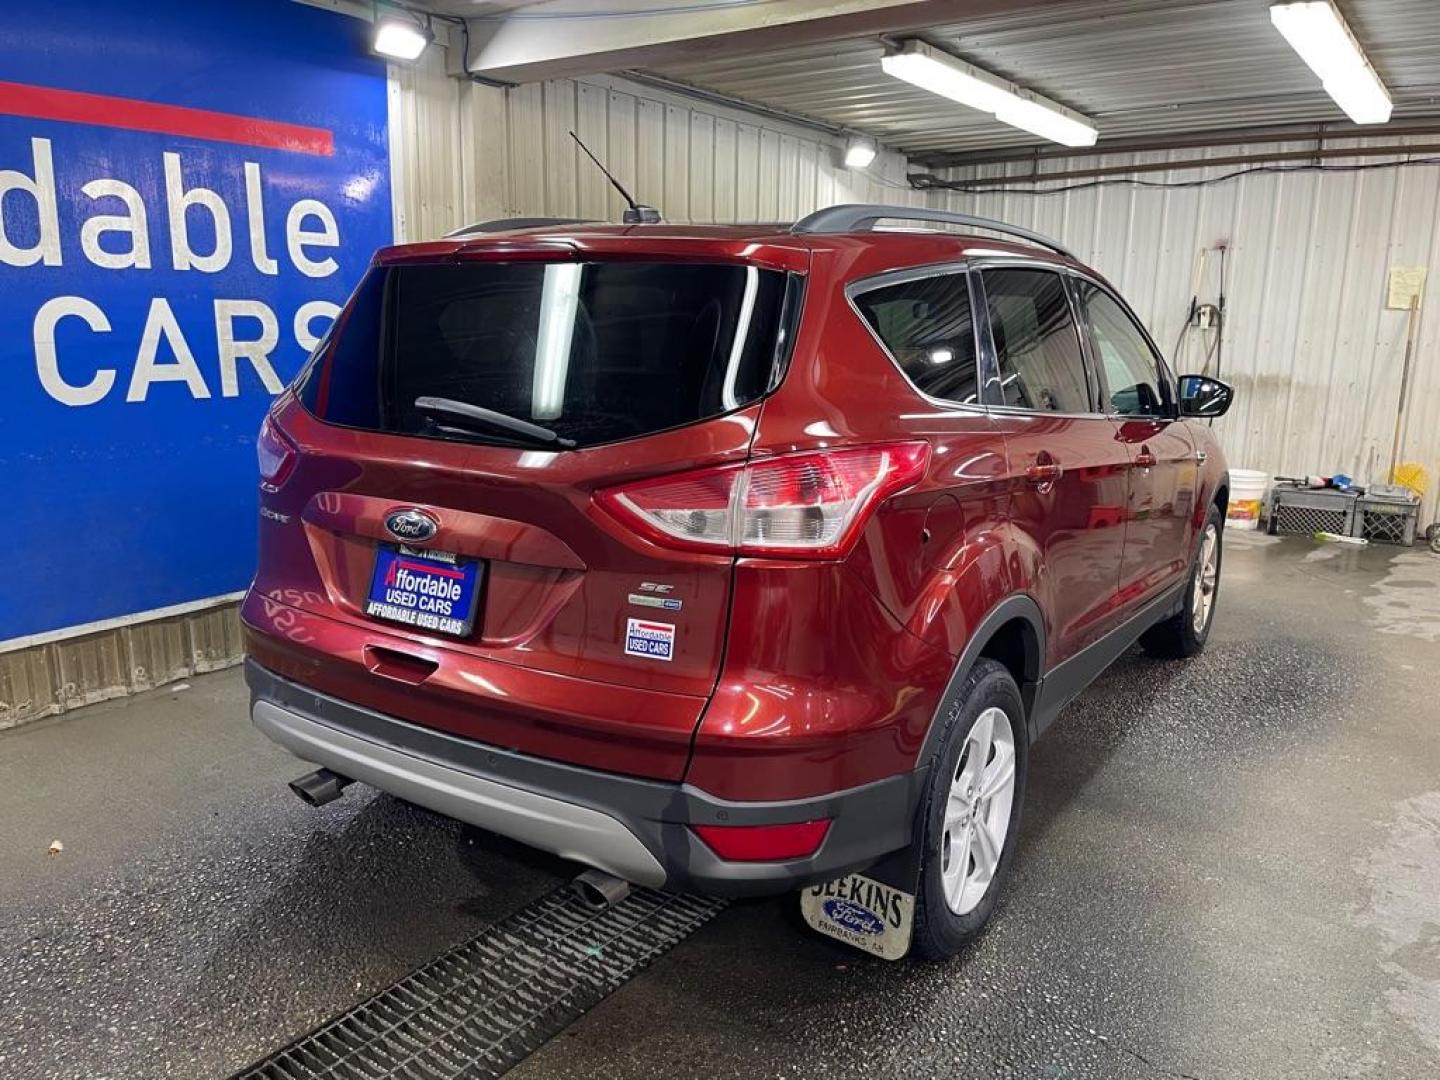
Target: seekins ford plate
(429,590)
(859,911)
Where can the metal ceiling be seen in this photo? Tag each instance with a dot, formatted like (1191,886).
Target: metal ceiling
(1139,68)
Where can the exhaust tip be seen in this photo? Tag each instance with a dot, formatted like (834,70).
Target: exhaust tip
(320,787)
(600,890)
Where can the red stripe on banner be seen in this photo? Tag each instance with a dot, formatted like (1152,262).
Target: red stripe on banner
(102,110)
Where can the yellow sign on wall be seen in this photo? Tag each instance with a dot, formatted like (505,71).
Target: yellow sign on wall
(1407,286)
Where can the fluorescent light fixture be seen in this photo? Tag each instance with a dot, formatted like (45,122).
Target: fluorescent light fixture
(950,77)
(860,152)
(1317,31)
(400,39)
(559,302)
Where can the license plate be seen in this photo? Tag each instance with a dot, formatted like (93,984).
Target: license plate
(429,590)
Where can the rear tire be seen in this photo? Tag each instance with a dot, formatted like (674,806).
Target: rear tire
(1184,634)
(971,815)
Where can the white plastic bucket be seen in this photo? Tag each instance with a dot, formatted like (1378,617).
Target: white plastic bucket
(1247,492)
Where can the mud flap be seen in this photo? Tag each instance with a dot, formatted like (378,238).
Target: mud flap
(873,911)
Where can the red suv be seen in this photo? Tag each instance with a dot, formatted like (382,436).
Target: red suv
(729,559)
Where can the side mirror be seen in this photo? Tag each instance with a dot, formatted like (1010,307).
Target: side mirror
(1204,397)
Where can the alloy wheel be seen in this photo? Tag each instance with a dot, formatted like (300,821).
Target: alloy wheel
(977,811)
(1207,578)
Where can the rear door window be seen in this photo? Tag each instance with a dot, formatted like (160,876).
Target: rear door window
(595,351)
(1037,343)
(926,326)
(1132,370)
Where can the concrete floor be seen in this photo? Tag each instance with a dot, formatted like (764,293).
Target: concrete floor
(1229,868)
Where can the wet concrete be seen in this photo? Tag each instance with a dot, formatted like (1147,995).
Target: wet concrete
(200,915)
(1229,868)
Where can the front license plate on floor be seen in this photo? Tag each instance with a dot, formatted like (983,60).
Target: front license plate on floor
(429,590)
(860,912)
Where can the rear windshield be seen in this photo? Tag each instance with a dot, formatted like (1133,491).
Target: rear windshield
(594,352)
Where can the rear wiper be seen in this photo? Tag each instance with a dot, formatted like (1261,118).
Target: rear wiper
(469,414)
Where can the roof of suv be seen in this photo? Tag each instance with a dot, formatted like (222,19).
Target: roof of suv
(840,227)
(773,238)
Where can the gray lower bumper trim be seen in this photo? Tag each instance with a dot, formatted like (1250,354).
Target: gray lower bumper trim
(564,828)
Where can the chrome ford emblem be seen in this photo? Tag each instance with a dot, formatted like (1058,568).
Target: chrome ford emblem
(411,525)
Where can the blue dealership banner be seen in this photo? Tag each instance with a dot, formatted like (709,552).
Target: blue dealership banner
(187,194)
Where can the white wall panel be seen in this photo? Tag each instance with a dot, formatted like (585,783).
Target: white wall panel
(462,151)
(1314,355)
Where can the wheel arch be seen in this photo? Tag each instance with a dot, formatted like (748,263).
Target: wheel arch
(1013,633)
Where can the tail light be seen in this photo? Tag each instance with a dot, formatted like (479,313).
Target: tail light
(809,505)
(764,843)
(277,455)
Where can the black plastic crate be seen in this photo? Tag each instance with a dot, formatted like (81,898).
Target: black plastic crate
(1384,518)
(1306,511)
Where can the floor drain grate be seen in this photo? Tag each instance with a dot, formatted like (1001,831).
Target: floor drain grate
(482,1007)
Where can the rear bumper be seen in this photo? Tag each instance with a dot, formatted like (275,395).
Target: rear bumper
(634,828)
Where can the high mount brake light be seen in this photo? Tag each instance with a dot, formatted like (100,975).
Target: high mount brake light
(276,454)
(807,505)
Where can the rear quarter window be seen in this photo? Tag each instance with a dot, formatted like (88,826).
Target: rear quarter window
(926,326)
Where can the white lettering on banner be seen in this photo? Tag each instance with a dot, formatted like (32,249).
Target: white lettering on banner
(41,188)
(133,221)
(309,223)
(296,237)
(47,361)
(160,322)
(256,351)
(117,237)
(178,202)
(307,313)
(255,215)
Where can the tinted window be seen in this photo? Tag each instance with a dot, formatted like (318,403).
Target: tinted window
(1132,378)
(593,351)
(1036,341)
(926,325)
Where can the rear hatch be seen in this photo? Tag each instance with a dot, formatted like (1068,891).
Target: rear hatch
(447,440)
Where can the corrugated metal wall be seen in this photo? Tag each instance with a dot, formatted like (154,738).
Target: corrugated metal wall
(462,152)
(1314,355)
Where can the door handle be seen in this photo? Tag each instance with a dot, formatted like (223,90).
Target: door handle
(1145,459)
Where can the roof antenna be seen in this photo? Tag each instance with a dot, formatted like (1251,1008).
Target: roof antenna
(639,213)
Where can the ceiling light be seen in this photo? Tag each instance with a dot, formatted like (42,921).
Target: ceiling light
(400,39)
(943,74)
(860,152)
(1317,31)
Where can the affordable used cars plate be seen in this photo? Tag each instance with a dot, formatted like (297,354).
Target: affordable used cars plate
(429,590)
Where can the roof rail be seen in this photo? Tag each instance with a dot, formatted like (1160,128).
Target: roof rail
(506,224)
(862,217)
